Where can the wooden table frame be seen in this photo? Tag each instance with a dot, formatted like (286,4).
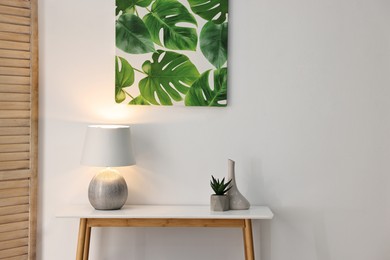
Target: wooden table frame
(163,216)
(86,225)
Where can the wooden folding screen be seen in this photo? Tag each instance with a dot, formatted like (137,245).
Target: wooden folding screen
(18,128)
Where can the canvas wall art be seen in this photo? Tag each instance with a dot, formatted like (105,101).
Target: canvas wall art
(171,52)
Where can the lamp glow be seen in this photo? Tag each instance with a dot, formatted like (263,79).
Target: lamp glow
(108,146)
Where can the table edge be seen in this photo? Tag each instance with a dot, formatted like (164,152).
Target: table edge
(267,214)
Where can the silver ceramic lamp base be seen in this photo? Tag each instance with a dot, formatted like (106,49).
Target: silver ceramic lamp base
(107,190)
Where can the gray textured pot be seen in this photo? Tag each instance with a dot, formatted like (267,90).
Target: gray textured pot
(219,202)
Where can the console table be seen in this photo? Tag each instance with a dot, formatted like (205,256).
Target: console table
(163,216)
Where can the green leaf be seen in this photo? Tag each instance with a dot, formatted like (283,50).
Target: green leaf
(139,101)
(123,78)
(169,76)
(220,187)
(165,15)
(201,93)
(128,6)
(214,43)
(120,95)
(211,10)
(132,36)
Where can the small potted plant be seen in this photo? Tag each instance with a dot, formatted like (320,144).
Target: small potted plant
(219,201)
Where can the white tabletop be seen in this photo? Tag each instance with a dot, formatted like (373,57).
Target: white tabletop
(164,211)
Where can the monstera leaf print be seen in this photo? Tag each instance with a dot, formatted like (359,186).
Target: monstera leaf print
(163,36)
(132,36)
(124,77)
(201,93)
(169,76)
(128,6)
(210,10)
(214,43)
(165,15)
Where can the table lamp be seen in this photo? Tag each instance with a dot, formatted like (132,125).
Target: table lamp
(107,146)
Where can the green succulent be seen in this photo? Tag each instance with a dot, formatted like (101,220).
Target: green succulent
(220,187)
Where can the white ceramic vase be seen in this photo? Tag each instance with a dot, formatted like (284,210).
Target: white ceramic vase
(237,200)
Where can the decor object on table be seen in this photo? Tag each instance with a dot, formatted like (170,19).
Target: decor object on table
(236,199)
(171,52)
(108,146)
(219,201)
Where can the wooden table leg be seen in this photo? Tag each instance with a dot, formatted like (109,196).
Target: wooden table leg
(87,242)
(81,239)
(248,240)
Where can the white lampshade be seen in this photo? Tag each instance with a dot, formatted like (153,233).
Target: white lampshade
(108,146)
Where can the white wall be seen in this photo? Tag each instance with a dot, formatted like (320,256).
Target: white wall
(307,123)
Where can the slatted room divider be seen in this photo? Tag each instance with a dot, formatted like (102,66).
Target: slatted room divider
(18,128)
